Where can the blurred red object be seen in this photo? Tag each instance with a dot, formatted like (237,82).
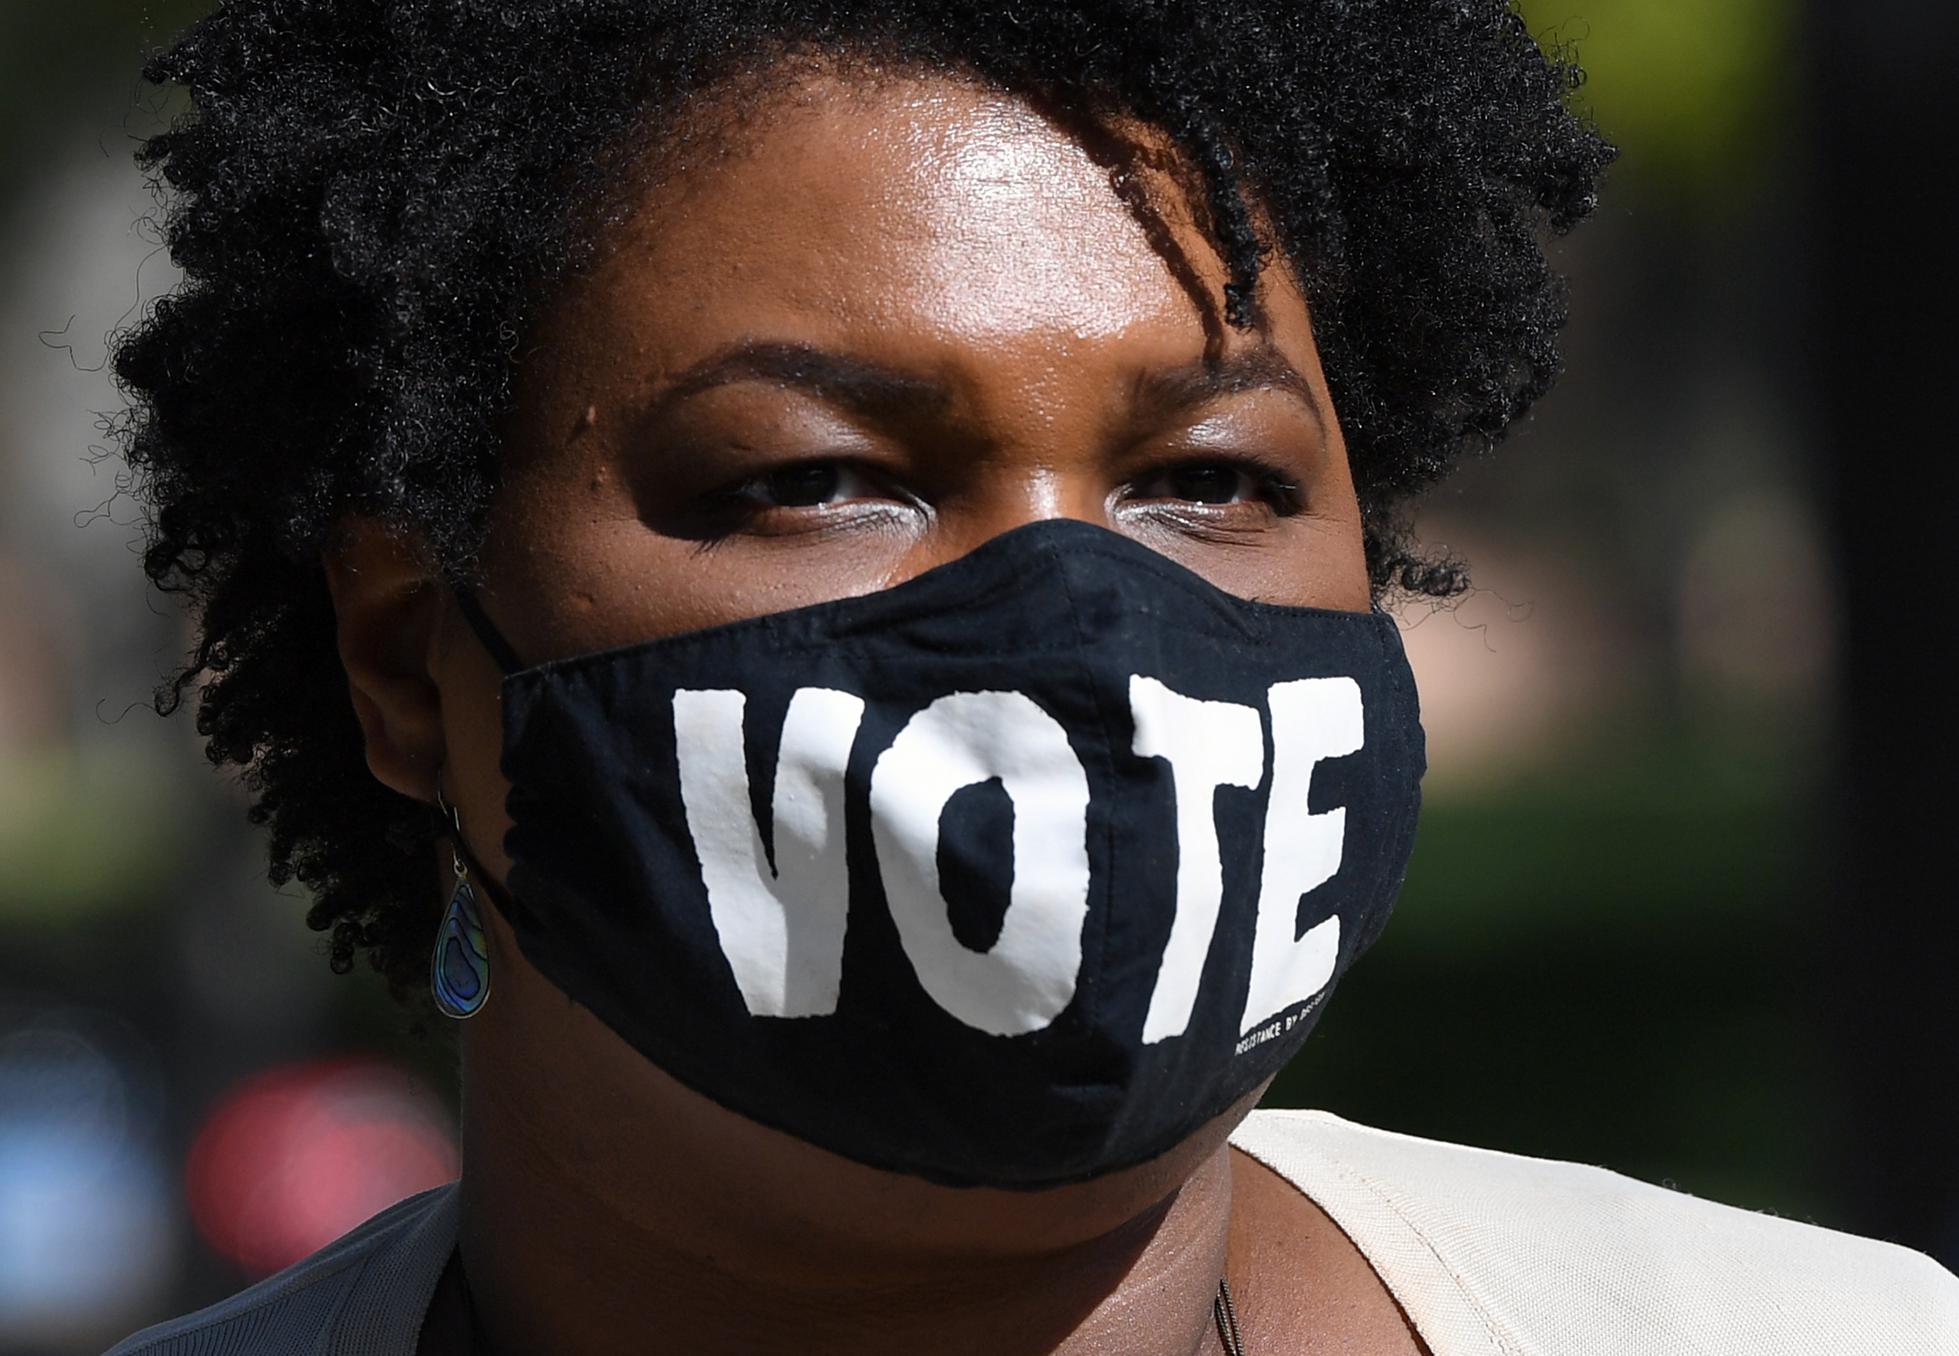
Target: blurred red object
(292,1159)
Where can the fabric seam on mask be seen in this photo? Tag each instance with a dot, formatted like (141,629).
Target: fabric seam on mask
(574,664)
(771,625)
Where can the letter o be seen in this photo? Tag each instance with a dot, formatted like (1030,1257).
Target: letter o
(964,738)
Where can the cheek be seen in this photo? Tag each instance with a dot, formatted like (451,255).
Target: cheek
(1322,564)
(1339,569)
(1340,554)
(574,564)
(1329,568)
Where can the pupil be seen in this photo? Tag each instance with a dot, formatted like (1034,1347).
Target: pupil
(1205,484)
(803,486)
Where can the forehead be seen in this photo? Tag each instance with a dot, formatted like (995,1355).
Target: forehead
(923,212)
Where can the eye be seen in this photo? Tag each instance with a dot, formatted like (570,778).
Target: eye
(808,484)
(1206,484)
(1221,483)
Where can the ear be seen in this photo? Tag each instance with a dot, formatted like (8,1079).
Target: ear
(386,603)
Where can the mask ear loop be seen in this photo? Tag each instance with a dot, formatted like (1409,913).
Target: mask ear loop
(459,969)
(487,634)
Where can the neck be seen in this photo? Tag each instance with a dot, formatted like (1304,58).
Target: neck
(581,1236)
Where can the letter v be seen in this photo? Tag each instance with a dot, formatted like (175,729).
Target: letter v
(781,928)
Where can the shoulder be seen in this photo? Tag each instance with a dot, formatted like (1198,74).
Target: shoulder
(367,1292)
(1500,1253)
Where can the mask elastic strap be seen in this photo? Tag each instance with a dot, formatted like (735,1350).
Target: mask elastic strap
(486,631)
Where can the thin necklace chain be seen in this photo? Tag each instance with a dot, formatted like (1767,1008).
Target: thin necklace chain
(1226,1314)
(1222,1309)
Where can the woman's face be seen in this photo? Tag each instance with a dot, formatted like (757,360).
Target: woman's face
(884,322)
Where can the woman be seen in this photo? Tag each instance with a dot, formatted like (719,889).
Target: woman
(856,530)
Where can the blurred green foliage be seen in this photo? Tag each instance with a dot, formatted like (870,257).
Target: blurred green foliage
(1601,959)
(84,832)
(1692,90)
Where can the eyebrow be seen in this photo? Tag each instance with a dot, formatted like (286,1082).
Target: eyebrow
(887,393)
(1166,391)
(863,387)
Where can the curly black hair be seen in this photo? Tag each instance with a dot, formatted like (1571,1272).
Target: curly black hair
(369,198)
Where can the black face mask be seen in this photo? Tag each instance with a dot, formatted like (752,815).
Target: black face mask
(1012,875)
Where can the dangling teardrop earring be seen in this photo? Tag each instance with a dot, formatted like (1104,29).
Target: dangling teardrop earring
(459,971)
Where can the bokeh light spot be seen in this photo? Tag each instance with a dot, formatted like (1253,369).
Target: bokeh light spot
(294,1158)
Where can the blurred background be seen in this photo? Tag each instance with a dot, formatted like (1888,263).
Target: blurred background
(1680,904)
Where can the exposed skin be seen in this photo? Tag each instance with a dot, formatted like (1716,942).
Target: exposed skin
(957,238)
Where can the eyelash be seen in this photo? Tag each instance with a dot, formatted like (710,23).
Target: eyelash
(1281,492)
